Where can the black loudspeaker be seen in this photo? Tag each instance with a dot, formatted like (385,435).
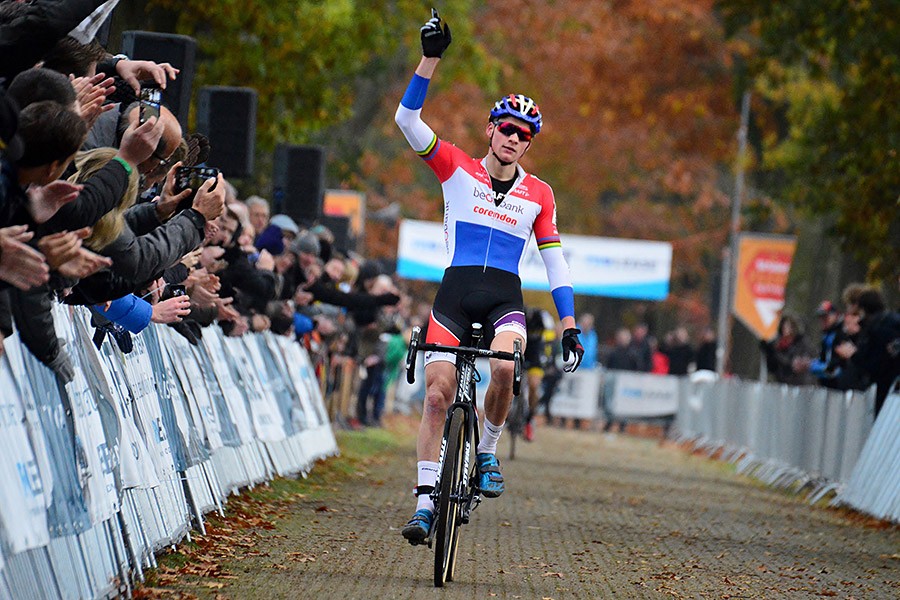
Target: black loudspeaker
(340,227)
(227,116)
(298,182)
(178,50)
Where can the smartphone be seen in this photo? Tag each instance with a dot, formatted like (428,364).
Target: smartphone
(172,290)
(151,100)
(192,178)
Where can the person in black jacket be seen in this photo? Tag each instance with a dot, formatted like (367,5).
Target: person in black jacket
(28,30)
(878,351)
(51,134)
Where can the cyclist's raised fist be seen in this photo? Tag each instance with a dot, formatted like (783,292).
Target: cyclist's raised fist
(572,349)
(435,38)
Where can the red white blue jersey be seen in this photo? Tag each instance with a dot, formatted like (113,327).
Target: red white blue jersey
(478,232)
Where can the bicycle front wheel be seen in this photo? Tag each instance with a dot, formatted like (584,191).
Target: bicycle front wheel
(446,533)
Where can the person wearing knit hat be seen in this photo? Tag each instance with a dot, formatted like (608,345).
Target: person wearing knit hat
(306,243)
(288,226)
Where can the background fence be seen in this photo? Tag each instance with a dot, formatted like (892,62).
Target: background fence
(99,474)
(811,440)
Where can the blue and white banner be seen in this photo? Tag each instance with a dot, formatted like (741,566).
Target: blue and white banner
(611,267)
(643,395)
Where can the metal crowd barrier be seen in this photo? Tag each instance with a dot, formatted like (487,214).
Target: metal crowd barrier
(874,485)
(812,440)
(98,475)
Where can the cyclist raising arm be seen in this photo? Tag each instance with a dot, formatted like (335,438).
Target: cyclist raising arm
(491,208)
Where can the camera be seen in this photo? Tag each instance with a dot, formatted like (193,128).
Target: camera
(192,178)
(151,100)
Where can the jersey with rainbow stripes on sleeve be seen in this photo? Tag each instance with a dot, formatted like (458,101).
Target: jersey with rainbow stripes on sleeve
(479,230)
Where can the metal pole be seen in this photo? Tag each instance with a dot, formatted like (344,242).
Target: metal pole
(726,292)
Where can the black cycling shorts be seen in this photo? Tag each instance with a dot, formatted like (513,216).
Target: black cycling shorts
(469,295)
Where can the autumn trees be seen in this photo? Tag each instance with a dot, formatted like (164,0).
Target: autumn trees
(640,101)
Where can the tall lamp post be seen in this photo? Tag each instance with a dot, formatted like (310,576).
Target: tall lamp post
(726,291)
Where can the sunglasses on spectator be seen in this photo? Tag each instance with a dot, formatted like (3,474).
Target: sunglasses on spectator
(163,162)
(507,129)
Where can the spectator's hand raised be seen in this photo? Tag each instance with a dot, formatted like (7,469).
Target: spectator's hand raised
(92,93)
(209,231)
(169,200)
(210,258)
(139,141)
(211,203)
(172,310)
(21,265)
(302,297)
(260,323)
(240,327)
(84,264)
(44,201)
(192,258)
(266,261)
(60,248)
(226,311)
(135,71)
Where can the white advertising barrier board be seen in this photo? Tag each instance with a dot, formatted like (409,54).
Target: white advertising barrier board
(213,341)
(96,475)
(194,385)
(599,266)
(268,424)
(23,507)
(642,395)
(578,395)
(129,451)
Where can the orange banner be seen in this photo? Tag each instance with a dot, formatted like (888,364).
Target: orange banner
(761,276)
(346,203)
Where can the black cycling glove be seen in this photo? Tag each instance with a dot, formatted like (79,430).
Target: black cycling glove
(435,39)
(572,349)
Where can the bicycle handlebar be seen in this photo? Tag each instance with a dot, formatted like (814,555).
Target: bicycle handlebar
(468,351)
(415,346)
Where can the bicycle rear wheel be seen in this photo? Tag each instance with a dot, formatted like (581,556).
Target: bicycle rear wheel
(515,423)
(446,534)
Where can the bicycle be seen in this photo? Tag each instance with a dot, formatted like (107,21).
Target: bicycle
(456,492)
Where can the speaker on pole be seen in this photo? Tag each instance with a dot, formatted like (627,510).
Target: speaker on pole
(340,228)
(227,116)
(298,182)
(178,50)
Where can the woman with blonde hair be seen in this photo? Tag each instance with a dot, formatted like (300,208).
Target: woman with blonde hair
(134,237)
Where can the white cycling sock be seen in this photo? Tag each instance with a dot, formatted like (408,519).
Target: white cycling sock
(428,471)
(489,436)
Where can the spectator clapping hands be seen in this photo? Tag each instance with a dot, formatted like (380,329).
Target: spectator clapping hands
(20,265)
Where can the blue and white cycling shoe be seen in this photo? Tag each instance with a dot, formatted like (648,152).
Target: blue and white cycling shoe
(490,479)
(418,528)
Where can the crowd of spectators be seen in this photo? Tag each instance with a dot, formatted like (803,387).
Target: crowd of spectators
(92,214)
(858,347)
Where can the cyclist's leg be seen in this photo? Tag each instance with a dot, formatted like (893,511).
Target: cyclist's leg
(497,400)
(440,386)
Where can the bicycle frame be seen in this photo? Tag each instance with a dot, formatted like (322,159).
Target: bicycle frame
(465,398)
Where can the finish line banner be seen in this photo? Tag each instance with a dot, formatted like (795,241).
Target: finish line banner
(611,267)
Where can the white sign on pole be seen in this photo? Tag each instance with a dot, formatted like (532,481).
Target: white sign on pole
(599,266)
(578,395)
(643,395)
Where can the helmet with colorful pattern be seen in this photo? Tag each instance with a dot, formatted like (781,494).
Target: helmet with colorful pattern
(520,107)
